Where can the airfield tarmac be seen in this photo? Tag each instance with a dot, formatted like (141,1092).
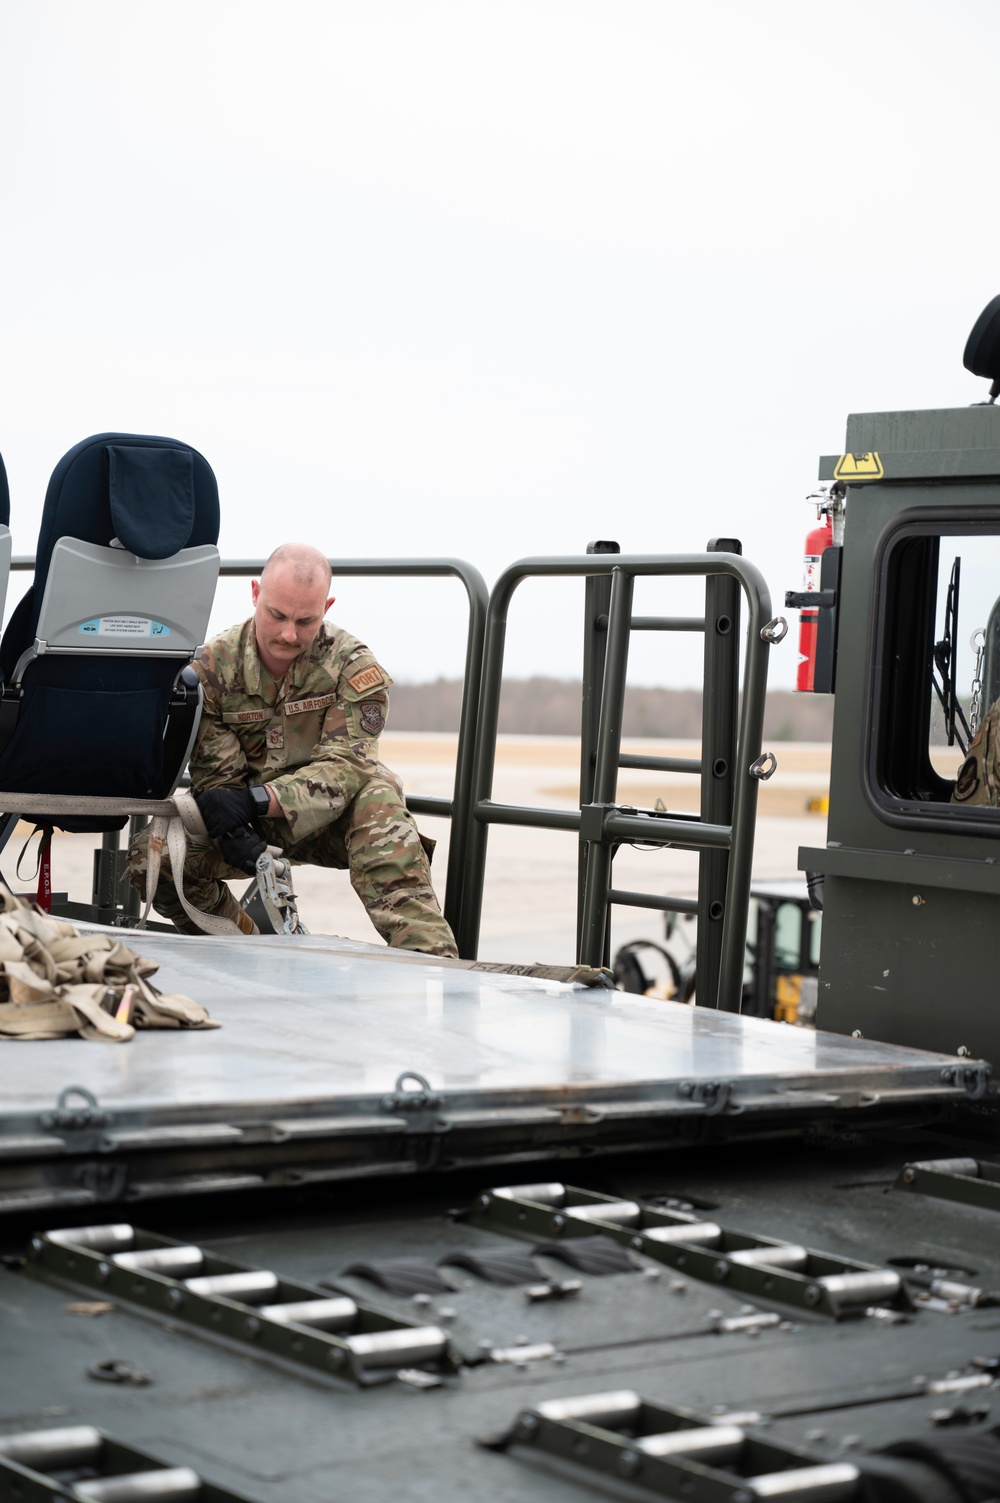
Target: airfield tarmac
(529,903)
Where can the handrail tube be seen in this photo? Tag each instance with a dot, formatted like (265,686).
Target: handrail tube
(748,748)
(719,711)
(523,814)
(478,596)
(651,900)
(596,603)
(660,764)
(668,623)
(430,803)
(749,740)
(595,934)
(684,834)
(693,834)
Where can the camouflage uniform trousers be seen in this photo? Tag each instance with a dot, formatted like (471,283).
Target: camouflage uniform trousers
(375,840)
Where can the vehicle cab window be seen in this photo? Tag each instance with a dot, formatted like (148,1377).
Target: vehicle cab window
(936,665)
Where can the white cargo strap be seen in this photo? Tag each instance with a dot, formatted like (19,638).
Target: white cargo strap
(172,830)
(171,821)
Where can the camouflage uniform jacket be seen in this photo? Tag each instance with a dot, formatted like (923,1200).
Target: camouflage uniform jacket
(313,737)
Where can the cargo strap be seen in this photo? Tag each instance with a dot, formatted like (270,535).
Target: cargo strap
(172,821)
(43,896)
(55,981)
(170,832)
(572,975)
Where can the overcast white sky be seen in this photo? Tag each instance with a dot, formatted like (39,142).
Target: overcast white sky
(491,278)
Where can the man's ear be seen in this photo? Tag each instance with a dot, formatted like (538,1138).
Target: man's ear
(325,608)
(255,590)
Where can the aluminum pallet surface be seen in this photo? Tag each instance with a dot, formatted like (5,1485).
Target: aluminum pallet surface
(340,1059)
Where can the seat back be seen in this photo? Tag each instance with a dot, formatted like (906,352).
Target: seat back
(5,543)
(125,575)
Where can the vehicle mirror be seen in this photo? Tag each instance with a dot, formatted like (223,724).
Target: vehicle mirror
(982,348)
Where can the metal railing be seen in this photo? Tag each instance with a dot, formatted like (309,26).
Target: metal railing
(724,832)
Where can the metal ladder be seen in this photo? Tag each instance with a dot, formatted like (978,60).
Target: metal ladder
(731,765)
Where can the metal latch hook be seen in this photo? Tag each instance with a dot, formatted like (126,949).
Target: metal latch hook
(775,631)
(764,767)
(405,1099)
(66,1115)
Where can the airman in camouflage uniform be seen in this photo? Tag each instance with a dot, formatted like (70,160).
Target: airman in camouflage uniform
(309,735)
(978,780)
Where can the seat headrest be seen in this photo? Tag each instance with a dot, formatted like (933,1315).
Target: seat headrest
(151,491)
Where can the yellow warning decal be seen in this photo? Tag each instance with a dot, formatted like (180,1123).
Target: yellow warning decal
(858,467)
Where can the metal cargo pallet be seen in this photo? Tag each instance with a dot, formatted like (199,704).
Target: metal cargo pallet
(358,1060)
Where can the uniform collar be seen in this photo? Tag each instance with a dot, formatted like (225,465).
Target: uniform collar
(251,660)
(294,675)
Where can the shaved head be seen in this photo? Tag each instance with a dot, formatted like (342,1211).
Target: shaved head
(305,564)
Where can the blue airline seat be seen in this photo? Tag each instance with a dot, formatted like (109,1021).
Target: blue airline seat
(98,695)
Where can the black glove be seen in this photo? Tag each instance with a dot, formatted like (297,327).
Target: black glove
(227,809)
(241,847)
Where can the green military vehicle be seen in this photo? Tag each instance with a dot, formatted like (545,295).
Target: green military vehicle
(435,1230)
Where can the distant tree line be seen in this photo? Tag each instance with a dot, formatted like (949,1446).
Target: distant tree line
(551,707)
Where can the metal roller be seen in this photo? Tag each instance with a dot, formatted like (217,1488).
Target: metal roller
(697,1233)
(965,1294)
(715,1445)
(807,1484)
(866,1287)
(615,1410)
(787,1255)
(178,1483)
(964,1383)
(967,1167)
(54,1450)
(175,1262)
(249,1288)
(620,1212)
(550,1194)
(325,1314)
(398,1348)
(113,1238)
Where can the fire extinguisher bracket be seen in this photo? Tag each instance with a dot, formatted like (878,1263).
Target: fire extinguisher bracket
(800,600)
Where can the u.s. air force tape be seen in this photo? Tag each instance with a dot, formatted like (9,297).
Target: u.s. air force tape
(318,702)
(291,707)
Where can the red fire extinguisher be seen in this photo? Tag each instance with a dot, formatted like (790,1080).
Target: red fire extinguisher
(817,542)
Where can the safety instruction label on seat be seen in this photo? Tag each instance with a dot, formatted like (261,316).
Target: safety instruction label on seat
(124,626)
